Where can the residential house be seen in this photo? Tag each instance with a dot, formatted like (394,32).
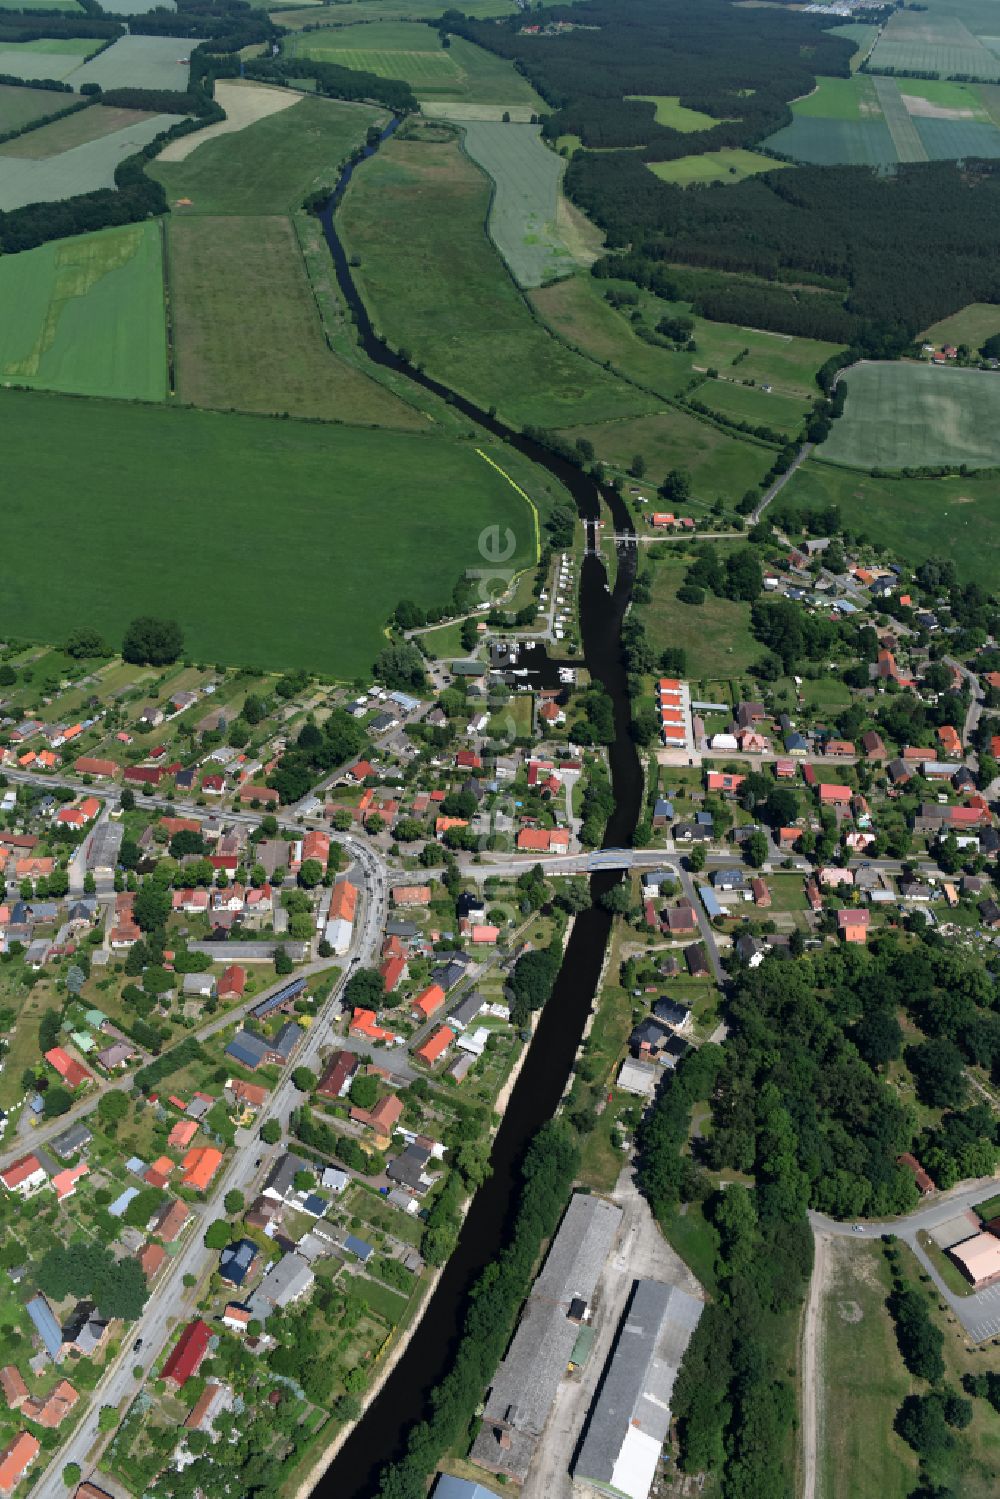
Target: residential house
(15,1460)
(338,1075)
(188,1354)
(436,1045)
(24,1176)
(874,748)
(853,925)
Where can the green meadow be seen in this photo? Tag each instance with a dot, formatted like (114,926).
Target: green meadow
(264,537)
(729,165)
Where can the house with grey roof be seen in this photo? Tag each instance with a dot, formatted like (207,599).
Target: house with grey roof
(46,1326)
(286,1282)
(72,1140)
(630,1418)
(280,1185)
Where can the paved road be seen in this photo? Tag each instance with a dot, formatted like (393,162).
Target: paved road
(780,482)
(975,708)
(979,1313)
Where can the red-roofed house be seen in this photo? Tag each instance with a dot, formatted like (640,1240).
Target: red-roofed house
(949,741)
(361,770)
(72,1073)
(467,759)
(151,1258)
(438,1043)
(365,1023)
(24,1176)
(723,781)
(232,982)
(428,1002)
(101,770)
(182,1134)
(834,796)
(853,925)
(485,935)
(188,1354)
(393,971)
(15,1460)
(64,1182)
(200,1166)
(533,840)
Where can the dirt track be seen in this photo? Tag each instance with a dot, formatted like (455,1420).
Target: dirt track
(812,1358)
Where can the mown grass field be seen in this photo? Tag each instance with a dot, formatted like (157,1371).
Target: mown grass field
(277,360)
(19,106)
(715,635)
(81,169)
(915,518)
(200,512)
(904,415)
(721,466)
(271,166)
(862,1381)
(729,165)
(748,403)
(73,130)
(140,62)
(85,315)
(525,204)
(435,285)
(670,111)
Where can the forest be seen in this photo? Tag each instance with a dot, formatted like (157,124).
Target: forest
(887,255)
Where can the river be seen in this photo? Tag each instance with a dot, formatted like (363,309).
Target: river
(381,1435)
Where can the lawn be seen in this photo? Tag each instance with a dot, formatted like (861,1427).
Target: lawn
(715,635)
(220,266)
(720,465)
(905,415)
(748,403)
(695,1240)
(77,129)
(862,1381)
(140,62)
(85,315)
(973,325)
(195,504)
(20,106)
(729,165)
(83,169)
(271,166)
(524,209)
(435,285)
(915,518)
(668,110)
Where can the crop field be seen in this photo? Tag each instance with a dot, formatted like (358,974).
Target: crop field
(385,10)
(271,166)
(245,103)
(135,7)
(944,140)
(523,212)
(221,266)
(902,128)
(81,170)
(916,518)
(140,62)
(973,325)
(19,106)
(389,49)
(670,111)
(720,465)
(906,415)
(85,315)
(748,403)
(729,165)
(61,5)
(436,286)
(840,99)
(861,35)
(91,124)
(285,504)
(924,42)
(18,61)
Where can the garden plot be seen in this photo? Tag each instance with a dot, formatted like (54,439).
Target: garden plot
(523,210)
(153,62)
(81,170)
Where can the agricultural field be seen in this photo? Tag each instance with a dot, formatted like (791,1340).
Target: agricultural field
(905,415)
(296,499)
(748,403)
(135,7)
(861,35)
(413,52)
(668,110)
(973,326)
(383,10)
(245,103)
(21,60)
(86,315)
(278,360)
(931,41)
(140,62)
(271,166)
(916,518)
(79,170)
(60,5)
(721,466)
(730,165)
(78,129)
(20,106)
(415,214)
(524,210)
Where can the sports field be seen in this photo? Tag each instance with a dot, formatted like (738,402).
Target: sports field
(80,170)
(276,360)
(140,62)
(85,315)
(906,415)
(188,514)
(932,42)
(77,129)
(527,179)
(19,106)
(435,285)
(729,165)
(915,518)
(269,167)
(670,111)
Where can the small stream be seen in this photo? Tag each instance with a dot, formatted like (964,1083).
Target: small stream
(381,1435)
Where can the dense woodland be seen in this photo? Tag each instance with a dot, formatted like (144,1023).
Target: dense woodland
(908,248)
